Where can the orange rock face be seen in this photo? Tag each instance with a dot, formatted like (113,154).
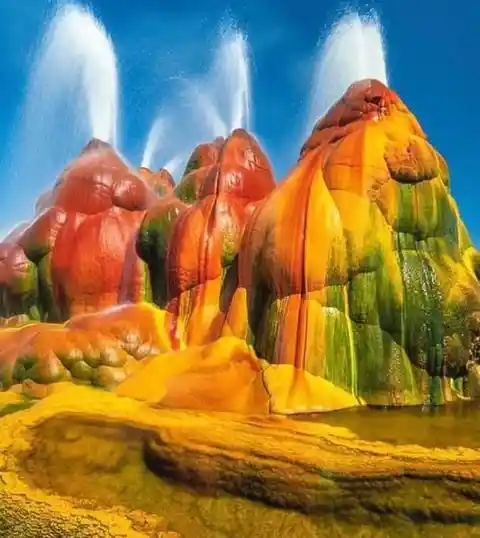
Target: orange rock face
(353,281)
(84,242)
(18,279)
(100,349)
(196,243)
(357,268)
(222,376)
(161,182)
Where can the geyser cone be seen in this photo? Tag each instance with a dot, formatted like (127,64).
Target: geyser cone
(239,154)
(144,172)
(205,154)
(166,177)
(85,240)
(161,181)
(196,242)
(97,163)
(358,270)
(368,100)
(96,144)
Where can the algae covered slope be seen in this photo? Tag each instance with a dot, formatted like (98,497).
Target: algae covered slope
(358,268)
(89,461)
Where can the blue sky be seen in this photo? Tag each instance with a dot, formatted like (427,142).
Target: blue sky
(431,54)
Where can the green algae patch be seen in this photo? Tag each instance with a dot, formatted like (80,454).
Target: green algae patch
(92,462)
(15,407)
(13,402)
(187,189)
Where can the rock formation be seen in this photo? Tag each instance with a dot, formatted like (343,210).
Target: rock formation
(190,241)
(101,349)
(18,280)
(353,281)
(358,268)
(161,182)
(83,242)
(210,308)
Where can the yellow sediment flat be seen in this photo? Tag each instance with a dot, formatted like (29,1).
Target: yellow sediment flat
(292,459)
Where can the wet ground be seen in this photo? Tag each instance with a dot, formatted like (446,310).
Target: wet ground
(101,464)
(451,425)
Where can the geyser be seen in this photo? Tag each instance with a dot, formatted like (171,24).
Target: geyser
(223,96)
(72,96)
(155,137)
(77,58)
(353,50)
(214,105)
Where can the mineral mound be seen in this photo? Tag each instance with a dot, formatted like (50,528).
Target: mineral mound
(83,242)
(353,281)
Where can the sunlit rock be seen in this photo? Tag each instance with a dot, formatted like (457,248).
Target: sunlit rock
(358,268)
(83,244)
(18,280)
(192,239)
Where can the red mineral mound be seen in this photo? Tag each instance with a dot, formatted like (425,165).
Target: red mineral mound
(84,242)
(18,285)
(161,182)
(357,269)
(193,247)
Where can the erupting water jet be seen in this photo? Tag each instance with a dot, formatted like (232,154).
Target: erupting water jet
(353,50)
(223,97)
(77,55)
(155,136)
(214,105)
(72,96)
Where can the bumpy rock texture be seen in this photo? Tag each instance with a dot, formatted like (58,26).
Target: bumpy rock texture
(100,349)
(18,279)
(161,182)
(311,479)
(358,268)
(83,242)
(353,281)
(191,241)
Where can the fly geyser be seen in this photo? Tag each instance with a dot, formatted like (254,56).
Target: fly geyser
(352,281)
(157,334)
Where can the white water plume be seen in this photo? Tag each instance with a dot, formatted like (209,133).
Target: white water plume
(222,97)
(209,106)
(353,50)
(77,56)
(72,95)
(154,139)
(175,164)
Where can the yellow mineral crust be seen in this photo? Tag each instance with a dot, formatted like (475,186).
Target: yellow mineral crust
(297,465)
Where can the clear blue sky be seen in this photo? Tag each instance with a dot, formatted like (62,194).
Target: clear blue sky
(432,54)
